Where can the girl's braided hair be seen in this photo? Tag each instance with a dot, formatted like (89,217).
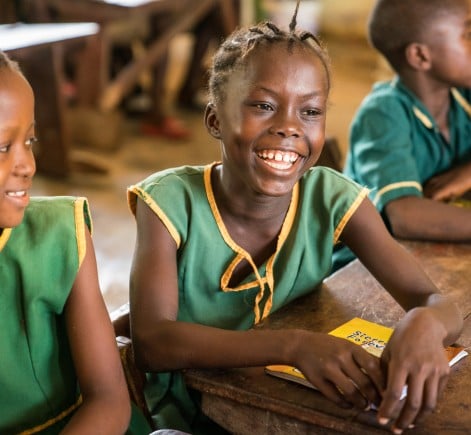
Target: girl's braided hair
(6,62)
(233,52)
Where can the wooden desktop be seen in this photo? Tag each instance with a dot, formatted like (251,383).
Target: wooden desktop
(247,401)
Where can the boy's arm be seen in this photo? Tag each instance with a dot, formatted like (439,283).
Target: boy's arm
(419,218)
(414,355)
(451,184)
(106,407)
(161,343)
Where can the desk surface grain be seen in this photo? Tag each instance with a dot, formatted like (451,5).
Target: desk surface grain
(249,401)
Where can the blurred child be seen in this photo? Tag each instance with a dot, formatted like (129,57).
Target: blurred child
(221,247)
(60,369)
(410,141)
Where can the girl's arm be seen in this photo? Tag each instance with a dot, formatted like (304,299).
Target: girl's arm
(414,355)
(106,407)
(163,344)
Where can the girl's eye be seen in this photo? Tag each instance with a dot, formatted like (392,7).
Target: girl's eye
(312,112)
(264,106)
(31,141)
(4,148)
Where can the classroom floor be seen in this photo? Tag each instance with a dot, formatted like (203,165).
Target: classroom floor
(353,69)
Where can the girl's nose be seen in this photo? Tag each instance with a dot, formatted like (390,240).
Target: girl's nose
(25,164)
(286,124)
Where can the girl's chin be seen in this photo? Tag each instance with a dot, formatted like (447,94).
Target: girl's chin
(11,222)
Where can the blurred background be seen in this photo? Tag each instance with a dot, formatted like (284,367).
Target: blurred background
(125,98)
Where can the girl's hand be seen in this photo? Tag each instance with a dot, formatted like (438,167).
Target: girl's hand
(342,371)
(414,357)
(449,185)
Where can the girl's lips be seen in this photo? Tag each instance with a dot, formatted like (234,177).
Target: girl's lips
(278,156)
(278,159)
(20,197)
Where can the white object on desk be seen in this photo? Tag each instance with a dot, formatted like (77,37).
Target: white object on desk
(127,3)
(20,35)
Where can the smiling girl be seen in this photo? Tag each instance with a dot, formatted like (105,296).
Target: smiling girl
(59,368)
(221,247)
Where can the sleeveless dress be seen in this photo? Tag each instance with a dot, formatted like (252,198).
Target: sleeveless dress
(322,203)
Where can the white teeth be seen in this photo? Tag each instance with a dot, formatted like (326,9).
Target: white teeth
(17,193)
(274,157)
(278,165)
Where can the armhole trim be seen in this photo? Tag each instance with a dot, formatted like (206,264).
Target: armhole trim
(159,212)
(346,217)
(79,212)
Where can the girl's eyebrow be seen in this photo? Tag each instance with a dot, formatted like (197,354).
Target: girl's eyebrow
(312,94)
(7,128)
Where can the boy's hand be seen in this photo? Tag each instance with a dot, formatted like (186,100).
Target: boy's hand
(344,372)
(414,357)
(449,185)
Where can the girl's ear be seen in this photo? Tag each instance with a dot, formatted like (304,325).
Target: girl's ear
(418,56)
(211,121)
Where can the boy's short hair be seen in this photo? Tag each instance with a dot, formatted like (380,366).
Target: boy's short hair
(394,24)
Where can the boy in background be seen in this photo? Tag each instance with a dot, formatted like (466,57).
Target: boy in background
(410,141)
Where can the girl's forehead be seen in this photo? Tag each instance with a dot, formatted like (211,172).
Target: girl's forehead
(279,60)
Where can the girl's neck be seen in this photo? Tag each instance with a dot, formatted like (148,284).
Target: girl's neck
(247,206)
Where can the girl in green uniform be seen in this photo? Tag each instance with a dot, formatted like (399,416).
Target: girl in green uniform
(59,367)
(221,247)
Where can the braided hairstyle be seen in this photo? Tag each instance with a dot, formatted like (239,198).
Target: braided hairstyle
(6,62)
(233,52)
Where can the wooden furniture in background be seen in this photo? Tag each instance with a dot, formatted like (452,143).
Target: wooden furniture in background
(180,16)
(39,49)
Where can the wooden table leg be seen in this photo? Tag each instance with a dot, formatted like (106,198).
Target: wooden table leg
(42,67)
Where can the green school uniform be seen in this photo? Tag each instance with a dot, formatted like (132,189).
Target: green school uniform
(396,146)
(322,202)
(39,260)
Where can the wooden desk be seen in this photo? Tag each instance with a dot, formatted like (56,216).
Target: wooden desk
(181,15)
(39,50)
(247,401)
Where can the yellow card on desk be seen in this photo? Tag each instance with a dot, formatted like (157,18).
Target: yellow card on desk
(370,336)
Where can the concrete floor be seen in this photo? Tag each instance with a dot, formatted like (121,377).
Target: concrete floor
(354,69)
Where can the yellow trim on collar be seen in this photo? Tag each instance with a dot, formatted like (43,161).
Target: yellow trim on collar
(422,117)
(4,237)
(456,95)
(394,186)
(242,254)
(53,420)
(346,217)
(461,101)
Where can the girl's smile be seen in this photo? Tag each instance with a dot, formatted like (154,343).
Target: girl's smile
(278,159)
(271,122)
(17,165)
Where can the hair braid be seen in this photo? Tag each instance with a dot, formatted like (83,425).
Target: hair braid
(233,52)
(6,62)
